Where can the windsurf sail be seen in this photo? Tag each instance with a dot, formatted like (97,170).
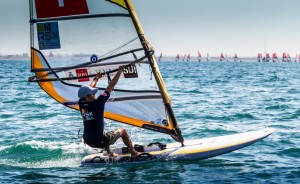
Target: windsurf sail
(207,57)
(235,58)
(177,57)
(91,36)
(199,56)
(184,57)
(188,57)
(274,57)
(222,57)
(160,56)
(284,57)
(259,57)
(267,57)
(289,58)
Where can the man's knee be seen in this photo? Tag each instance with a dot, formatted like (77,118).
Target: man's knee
(122,131)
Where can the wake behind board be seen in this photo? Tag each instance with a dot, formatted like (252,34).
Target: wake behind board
(193,149)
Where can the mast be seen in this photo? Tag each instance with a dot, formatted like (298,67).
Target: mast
(31,31)
(207,58)
(151,58)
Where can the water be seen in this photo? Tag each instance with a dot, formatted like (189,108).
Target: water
(39,143)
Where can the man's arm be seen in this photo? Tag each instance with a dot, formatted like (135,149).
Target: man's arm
(95,80)
(115,80)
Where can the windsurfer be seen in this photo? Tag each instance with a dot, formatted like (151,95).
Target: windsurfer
(92,111)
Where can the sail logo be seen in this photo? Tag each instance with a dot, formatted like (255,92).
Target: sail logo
(81,72)
(48,35)
(130,72)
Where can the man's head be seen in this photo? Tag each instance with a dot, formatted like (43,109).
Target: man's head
(87,92)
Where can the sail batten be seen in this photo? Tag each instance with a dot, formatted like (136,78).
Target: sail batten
(78,17)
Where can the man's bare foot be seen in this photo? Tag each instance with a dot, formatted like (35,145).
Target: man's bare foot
(135,154)
(113,155)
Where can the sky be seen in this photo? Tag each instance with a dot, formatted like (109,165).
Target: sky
(245,27)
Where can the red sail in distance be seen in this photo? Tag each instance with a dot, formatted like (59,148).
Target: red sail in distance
(58,8)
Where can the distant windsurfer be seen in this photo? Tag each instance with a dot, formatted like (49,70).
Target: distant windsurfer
(92,111)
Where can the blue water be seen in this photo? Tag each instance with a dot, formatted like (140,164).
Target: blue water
(39,144)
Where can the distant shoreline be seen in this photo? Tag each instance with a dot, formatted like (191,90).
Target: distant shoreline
(14,59)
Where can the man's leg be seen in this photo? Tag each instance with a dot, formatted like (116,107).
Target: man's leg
(126,139)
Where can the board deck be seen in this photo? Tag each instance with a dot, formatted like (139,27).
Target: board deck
(197,149)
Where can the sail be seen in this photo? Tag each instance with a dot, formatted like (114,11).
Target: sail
(91,36)
(235,58)
(288,57)
(222,57)
(259,57)
(160,56)
(274,57)
(184,57)
(267,57)
(284,57)
(177,57)
(199,56)
(188,57)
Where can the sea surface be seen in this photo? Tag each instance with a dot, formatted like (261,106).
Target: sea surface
(39,141)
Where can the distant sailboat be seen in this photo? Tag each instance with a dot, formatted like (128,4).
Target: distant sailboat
(184,57)
(226,57)
(284,57)
(289,58)
(259,57)
(235,58)
(207,57)
(188,57)
(296,57)
(160,56)
(274,57)
(268,58)
(177,57)
(222,57)
(199,56)
(51,55)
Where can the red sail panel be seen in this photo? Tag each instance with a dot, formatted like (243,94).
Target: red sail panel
(58,8)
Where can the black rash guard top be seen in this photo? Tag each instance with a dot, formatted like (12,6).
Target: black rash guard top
(93,120)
